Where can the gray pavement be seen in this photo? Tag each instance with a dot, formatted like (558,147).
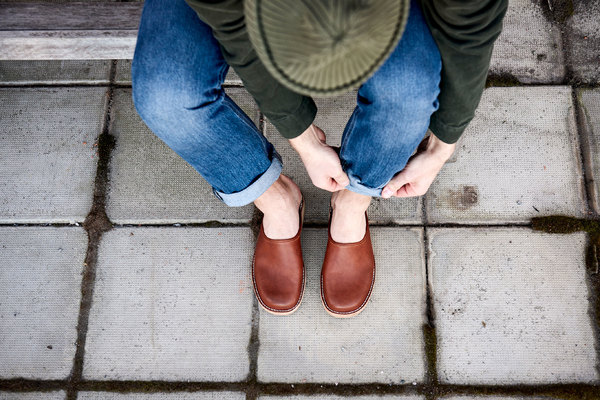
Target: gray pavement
(590,102)
(469,303)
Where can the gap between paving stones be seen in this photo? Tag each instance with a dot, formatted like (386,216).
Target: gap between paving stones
(95,224)
(554,391)
(584,151)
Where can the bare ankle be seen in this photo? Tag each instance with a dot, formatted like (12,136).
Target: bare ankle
(350,202)
(281,195)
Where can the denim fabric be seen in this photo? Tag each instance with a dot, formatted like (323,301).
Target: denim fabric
(393,110)
(178,71)
(177,76)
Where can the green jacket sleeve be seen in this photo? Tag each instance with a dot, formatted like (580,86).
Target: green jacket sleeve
(290,112)
(465,32)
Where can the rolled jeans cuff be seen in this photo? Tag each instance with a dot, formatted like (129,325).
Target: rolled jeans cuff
(357,187)
(256,188)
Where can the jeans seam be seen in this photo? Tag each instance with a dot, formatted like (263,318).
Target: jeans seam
(350,129)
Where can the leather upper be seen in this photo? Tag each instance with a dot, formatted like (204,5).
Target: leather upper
(278,272)
(348,274)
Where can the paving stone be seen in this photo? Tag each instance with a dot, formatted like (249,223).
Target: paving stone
(40,286)
(529,46)
(32,396)
(150,183)
(511,307)
(468,397)
(584,40)
(333,113)
(123,74)
(519,158)
(590,99)
(47,152)
(171,304)
(54,72)
(162,396)
(331,397)
(384,343)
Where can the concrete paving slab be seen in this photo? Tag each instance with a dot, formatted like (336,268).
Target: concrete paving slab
(468,397)
(151,184)
(162,396)
(123,74)
(40,292)
(32,396)
(529,47)
(583,38)
(511,307)
(519,158)
(47,152)
(331,397)
(171,304)
(332,117)
(19,72)
(590,100)
(384,343)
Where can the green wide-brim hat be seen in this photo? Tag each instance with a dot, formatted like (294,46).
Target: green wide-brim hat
(324,47)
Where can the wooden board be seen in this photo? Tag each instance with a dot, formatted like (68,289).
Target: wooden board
(68,31)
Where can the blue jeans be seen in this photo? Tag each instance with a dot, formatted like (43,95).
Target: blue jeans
(177,76)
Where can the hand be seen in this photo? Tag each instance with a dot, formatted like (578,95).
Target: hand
(421,169)
(321,161)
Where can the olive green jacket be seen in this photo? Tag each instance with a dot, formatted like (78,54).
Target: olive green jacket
(464,30)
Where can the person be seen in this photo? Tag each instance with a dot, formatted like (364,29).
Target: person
(419,66)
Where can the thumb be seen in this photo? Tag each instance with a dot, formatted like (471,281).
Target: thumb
(392,187)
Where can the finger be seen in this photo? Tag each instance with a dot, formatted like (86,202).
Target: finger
(320,133)
(338,187)
(330,185)
(404,191)
(341,178)
(392,187)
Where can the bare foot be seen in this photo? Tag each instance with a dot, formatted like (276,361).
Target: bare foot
(279,205)
(348,223)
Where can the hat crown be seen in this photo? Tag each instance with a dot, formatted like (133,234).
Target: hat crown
(324,47)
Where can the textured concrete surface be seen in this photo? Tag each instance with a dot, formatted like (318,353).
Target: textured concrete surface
(47,152)
(529,47)
(171,304)
(123,74)
(583,37)
(33,396)
(326,397)
(384,343)
(40,282)
(519,158)
(54,72)
(590,100)
(161,396)
(150,183)
(511,307)
(468,397)
(332,117)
